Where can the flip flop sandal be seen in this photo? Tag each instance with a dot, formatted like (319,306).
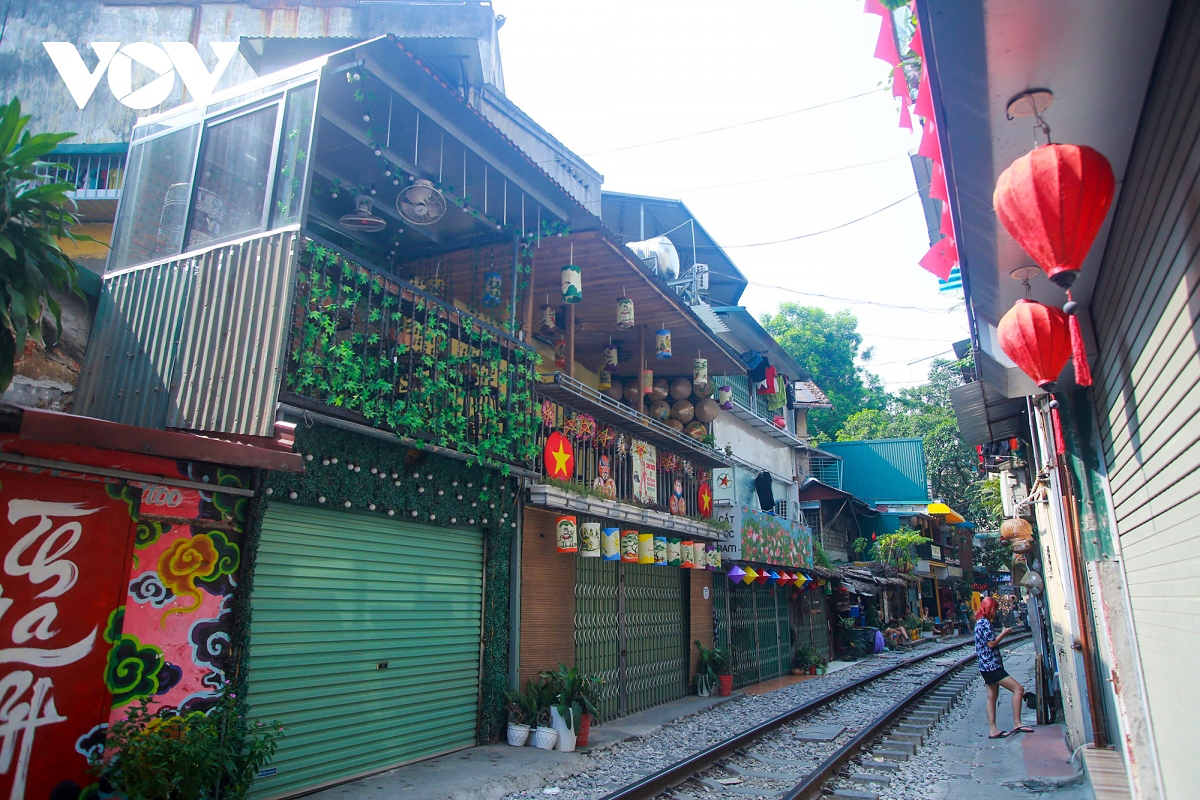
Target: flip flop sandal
(1022,729)
(1001,735)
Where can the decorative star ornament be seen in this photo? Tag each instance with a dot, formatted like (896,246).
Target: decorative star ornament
(559,457)
(723,481)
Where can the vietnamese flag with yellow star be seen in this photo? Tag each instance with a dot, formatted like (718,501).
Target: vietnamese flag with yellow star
(559,457)
(704,498)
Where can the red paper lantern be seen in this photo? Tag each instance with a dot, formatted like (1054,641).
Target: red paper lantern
(1053,201)
(1036,338)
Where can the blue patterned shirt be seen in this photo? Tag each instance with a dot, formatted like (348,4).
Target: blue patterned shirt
(989,659)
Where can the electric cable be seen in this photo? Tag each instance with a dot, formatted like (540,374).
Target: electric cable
(793,175)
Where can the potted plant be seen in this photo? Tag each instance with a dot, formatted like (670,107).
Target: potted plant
(813,658)
(801,661)
(706,673)
(722,664)
(544,736)
(572,705)
(820,663)
(522,711)
(189,757)
(926,629)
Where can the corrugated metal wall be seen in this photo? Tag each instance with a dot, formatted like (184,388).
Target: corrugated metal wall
(197,342)
(1147,391)
(883,469)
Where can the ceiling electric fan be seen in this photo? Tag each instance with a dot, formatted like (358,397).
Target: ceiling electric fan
(421,203)
(361,220)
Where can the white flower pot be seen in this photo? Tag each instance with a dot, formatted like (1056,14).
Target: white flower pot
(703,686)
(517,734)
(544,738)
(566,736)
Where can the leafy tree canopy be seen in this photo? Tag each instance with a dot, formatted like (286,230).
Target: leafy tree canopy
(830,348)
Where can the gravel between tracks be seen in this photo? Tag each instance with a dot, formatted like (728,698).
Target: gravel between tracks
(606,770)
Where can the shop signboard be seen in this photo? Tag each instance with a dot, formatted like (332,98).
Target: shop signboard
(763,537)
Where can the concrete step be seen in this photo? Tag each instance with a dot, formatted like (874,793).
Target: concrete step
(900,744)
(850,794)
(922,718)
(791,777)
(870,779)
(887,766)
(901,736)
(717,786)
(906,727)
(889,754)
(782,762)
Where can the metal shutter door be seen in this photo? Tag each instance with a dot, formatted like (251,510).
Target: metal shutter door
(1145,311)
(656,636)
(338,595)
(597,629)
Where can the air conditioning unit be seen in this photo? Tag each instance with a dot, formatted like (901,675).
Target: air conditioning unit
(1013,490)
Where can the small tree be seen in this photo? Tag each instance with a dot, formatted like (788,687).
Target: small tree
(895,548)
(34,215)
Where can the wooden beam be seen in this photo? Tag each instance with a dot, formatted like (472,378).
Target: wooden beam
(529,303)
(641,402)
(570,340)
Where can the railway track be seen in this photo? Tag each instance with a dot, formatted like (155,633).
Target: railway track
(793,755)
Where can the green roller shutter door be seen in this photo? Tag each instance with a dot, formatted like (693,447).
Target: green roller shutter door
(364,643)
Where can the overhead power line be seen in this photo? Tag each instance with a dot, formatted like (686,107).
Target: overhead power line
(827,230)
(851,300)
(793,175)
(734,125)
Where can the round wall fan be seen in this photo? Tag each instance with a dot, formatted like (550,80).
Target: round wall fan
(421,203)
(362,220)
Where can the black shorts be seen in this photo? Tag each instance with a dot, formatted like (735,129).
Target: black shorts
(992,677)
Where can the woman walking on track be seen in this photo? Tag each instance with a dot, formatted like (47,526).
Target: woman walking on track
(991,666)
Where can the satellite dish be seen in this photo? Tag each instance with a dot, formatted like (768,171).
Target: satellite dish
(421,203)
(362,220)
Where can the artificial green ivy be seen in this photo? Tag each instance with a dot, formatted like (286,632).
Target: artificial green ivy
(349,350)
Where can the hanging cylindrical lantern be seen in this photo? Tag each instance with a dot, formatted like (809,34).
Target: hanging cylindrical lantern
(712,558)
(612,358)
(686,554)
(546,320)
(647,381)
(674,552)
(700,370)
(568,534)
(725,398)
(662,343)
(629,547)
(572,284)
(610,544)
(589,540)
(560,354)
(1053,200)
(624,313)
(660,551)
(493,290)
(605,382)
(645,548)
(1036,338)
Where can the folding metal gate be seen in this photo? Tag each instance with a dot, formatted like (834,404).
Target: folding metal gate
(753,622)
(631,631)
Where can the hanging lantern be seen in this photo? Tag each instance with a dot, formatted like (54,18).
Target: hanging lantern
(1036,338)
(1015,529)
(700,371)
(629,547)
(686,554)
(610,544)
(763,576)
(560,354)
(493,290)
(1053,200)
(750,577)
(674,552)
(647,381)
(624,313)
(775,577)
(725,398)
(714,558)
(736,574)
(572,284)
(437,287)
(645,548)
(589,540)
(546,320)
(660,551)
(568,534)
(785,578)
(662,343)
(612,358)
(605,380)
(559,457)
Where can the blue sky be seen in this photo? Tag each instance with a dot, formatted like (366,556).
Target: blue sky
(604,75)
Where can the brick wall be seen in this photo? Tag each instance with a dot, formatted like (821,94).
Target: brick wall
(547,598)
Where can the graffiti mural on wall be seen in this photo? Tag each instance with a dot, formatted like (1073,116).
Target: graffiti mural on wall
(763,537)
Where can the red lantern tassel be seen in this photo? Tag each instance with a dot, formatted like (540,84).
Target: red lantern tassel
(1060,444)
(1083,374)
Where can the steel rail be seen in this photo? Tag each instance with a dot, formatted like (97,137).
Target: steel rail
(811,785)
(675,774)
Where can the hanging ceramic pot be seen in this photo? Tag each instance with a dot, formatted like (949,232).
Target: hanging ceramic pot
(572,284)
(662,343)
(610,544)
(568,534)
(660,551)
(647,381)
(589,540)
(493,290)
(712,559)
(612,358)
(645,548)
(624,313)
(700,370)
(605,380)
(560,354)
(629,546)
(546,320)
(725,398)
(674,552)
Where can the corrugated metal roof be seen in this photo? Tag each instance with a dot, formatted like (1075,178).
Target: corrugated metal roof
(879,470)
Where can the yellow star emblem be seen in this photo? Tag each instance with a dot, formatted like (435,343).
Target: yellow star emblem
(561,457)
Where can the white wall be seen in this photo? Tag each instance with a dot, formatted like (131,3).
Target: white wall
(757,448)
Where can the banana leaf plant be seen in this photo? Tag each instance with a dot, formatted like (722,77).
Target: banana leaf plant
(575,694)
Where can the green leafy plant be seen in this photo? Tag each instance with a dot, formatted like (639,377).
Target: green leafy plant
(523,706)
(35,214)
(801,658)
(896,548)
(722,661)
(573,694)
(820,557)
(861,546)
(706,668)
(912,622)
(194,757)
